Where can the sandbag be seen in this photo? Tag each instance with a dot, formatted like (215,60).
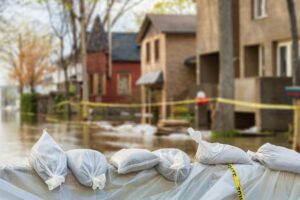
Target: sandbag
(277,158)
(49,161)
(132,160)
(174,164)
(88,166)
(216,153)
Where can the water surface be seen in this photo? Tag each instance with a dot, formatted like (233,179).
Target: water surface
(16,139)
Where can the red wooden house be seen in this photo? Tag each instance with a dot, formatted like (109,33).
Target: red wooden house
(119,87)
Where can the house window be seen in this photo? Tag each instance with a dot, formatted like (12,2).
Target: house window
(91,81)
(284,64)
(97,84)
(148,52)
(124,84)
(260,9)
(157,56)
(102,84)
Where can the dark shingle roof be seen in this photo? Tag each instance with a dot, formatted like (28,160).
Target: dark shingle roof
(124,45)
(176,24)
(97,38)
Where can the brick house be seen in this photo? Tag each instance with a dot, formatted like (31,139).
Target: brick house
(262,55)
(119,87)
(166,41)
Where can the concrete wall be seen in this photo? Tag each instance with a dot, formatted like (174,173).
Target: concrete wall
(272,91)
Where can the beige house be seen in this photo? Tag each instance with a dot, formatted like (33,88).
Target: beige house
(166,42)
(262,57)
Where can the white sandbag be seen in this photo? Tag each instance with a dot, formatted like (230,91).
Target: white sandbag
(132,160)
(216,153)
(145,129)
(174,164)
(277,158)
(89,167)
(49,161)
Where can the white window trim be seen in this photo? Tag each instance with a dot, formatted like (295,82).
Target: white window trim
(264,10)
(289,61)
(261,61)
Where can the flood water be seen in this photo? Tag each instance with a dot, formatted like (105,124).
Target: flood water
(16,139)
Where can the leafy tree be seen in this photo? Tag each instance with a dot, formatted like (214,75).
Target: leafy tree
(174,7)
(29,59)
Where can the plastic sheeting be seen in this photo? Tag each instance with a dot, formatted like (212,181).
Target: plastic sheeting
(204,182)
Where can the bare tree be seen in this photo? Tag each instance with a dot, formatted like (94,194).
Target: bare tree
(80,16)
(223,116)
(59,21)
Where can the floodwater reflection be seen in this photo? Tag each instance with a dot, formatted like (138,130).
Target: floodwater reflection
(17,138)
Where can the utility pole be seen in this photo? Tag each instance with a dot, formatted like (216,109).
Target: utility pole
(85,78)
(109,39)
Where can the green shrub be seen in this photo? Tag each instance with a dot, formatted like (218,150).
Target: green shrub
(29,103)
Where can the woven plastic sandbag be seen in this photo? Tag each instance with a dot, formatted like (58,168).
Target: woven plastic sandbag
(49,161)
(133,160)
(216,153)
(277,158)
(89,167)
(174,164)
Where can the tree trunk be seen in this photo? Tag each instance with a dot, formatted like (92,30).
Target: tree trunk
(66,82)
(83,55)
(223,115)
(20,89)
(295,42)
(295,60)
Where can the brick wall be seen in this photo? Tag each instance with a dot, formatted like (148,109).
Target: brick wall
(97,62)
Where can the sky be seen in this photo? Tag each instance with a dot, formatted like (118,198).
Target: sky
(36,14)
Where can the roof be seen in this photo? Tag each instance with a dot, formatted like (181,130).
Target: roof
(171,24)
(150,78)
(97,38)
(124,45)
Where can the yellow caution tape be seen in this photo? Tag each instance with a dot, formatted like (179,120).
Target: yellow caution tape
(237,183)
(183,102)
(256,105)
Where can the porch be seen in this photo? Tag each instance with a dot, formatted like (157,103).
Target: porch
(265,90)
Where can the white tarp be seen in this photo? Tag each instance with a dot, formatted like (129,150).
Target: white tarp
(205,182)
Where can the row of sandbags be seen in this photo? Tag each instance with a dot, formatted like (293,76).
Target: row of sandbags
(89,167)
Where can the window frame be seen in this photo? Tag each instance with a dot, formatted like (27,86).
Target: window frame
(102,86)
(288,47)
(261,4)
(129,84)
(157,50)
(148,52)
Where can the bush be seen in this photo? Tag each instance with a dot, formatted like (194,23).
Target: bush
(29,103)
